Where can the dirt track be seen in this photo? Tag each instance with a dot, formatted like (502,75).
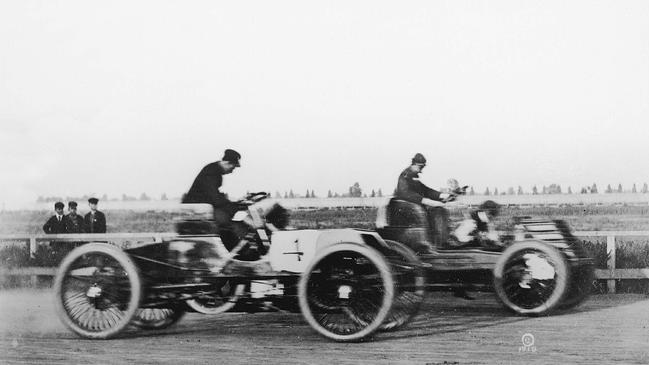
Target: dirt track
(605,329)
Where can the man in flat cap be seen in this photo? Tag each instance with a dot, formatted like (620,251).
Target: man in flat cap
(206,187)
(73,221)
(409,188)
(94,221)
(56,223)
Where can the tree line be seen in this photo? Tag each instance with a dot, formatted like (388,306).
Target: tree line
(355,191)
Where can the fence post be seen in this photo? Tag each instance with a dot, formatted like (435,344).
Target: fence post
(32,247)
(610,263)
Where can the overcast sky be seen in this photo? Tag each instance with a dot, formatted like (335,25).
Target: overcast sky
(136,96)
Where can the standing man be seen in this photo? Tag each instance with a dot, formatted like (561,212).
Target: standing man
(73,221)
(206,187)
(56,223)
(94,221)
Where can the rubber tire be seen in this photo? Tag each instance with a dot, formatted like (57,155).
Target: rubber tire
(197,306)
(163,317)
(134,281)
(562,274)
(382,267)
(398,320)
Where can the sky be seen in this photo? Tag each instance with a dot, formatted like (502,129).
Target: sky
(125,97)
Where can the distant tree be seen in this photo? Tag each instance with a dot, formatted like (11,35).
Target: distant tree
(486,192)
(608,189)
(329,194)
(285,195)
(645,188)
(495,191)
(545,190)
(290,194)
(373,194)
(520,190)
(308,195)
(355,190)
(593,189)
(569,190)
(312,193)
(633,189)
(163,196)
(336,195)
(471,191)
(380,193)
(364,195)
(143,196)
(619,188)
(535,191)
(553,189)
(510,191)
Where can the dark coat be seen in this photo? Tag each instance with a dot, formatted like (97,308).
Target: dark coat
(411,189)
(95,223)
(205,188)
(54,226)
(74,224)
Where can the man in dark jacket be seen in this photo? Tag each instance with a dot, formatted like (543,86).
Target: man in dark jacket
(206,187)
(73,221)
(56,223)
(411,189)
(94,221)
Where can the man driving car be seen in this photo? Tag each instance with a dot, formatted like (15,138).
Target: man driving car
(206,187)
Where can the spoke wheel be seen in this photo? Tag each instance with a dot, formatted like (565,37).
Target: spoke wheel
(346,292)
(531,278)
(410,282)
(98,290)
(222,299)
(157,318)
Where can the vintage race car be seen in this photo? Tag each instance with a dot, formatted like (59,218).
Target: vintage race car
(541,269)
(347,283)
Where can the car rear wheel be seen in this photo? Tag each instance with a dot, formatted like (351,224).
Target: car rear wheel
(98,290)
(410,280)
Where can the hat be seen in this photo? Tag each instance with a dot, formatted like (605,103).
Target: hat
(232,156)
(419,159)
(72,204)
(490,207)
(93,200)
(59,205)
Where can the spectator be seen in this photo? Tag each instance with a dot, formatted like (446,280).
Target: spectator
(73,221)
(56,223)
(94,221)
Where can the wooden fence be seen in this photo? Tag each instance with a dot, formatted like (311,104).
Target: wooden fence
(610,274)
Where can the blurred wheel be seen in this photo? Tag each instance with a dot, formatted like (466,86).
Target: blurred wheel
(98,290)
(346,292)
(157,318)
(222,299)
(409,277)
(531,278)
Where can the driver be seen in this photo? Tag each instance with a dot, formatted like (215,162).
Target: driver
(205,188)
(411,189)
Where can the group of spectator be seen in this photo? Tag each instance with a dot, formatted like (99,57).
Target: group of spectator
(93,222)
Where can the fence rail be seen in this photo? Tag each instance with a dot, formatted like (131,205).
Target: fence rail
(610,274)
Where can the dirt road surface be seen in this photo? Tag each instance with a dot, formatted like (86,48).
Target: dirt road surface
(606,329)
